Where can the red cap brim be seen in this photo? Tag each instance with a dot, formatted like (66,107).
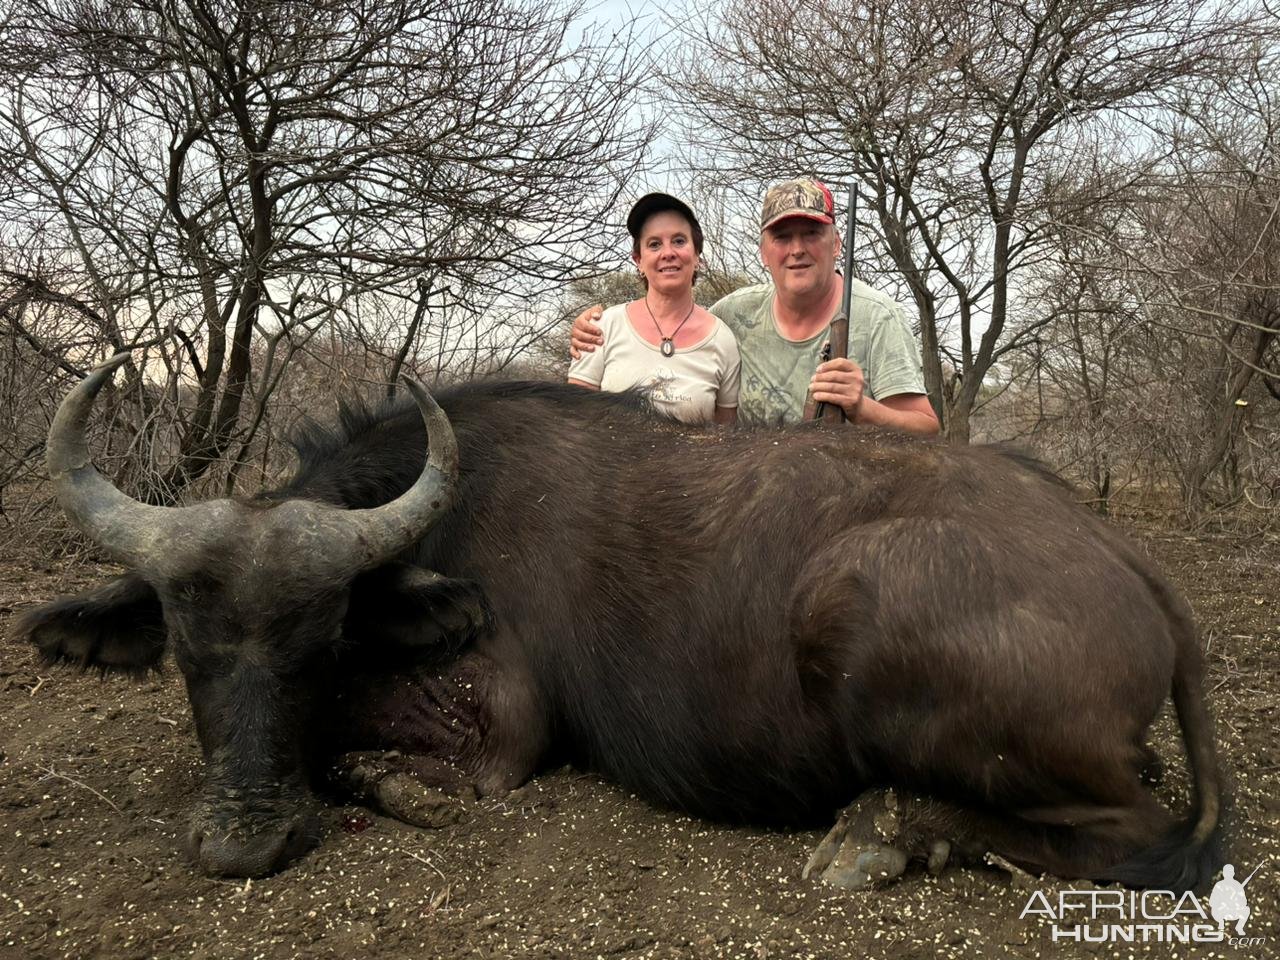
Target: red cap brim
(798,215)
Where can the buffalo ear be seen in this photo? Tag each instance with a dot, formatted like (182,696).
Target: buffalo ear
(406,609)
(118,626)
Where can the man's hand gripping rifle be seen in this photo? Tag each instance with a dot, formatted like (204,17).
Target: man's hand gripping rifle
(837,345)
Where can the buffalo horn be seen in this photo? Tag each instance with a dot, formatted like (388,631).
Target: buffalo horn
(150,537)
(121,525)
(393,527)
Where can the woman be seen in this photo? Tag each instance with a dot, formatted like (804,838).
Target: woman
(684,358)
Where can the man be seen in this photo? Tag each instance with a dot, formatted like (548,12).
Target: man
(781,326)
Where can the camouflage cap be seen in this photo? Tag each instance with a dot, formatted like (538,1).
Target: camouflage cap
(797,198)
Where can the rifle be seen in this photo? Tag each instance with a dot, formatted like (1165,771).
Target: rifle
(837,345)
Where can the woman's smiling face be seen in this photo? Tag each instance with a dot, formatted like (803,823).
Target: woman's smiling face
(666,256)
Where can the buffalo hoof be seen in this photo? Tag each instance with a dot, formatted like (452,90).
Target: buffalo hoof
(400,796)
(859,852)
(939,854)
(861,868)
(377,781)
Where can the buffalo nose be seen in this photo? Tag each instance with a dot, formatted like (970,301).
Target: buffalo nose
(238,852)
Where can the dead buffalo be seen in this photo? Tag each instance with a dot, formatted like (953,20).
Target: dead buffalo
(756,626)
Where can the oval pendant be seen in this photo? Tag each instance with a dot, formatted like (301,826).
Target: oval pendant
(668,348)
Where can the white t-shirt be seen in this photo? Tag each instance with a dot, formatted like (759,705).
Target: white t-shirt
(688,385)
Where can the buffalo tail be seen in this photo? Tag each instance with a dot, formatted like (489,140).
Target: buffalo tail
(1191,853)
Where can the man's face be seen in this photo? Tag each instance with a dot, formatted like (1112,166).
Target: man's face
(800,255)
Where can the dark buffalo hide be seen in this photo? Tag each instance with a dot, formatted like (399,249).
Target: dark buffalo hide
(753,626)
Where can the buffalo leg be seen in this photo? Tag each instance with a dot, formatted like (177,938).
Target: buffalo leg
(868,845)
(880,833)
(418,744)
(883,830)
(417,790)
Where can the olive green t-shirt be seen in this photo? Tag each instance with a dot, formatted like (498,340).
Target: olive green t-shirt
(776,371)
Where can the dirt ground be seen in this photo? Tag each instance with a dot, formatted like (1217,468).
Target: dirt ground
(95,775)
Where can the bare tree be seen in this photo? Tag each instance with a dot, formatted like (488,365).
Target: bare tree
(1206,252)
(1159,353)
(1185,256)
(251,171)
(953,116)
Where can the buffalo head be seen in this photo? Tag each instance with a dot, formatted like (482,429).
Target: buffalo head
(252,598)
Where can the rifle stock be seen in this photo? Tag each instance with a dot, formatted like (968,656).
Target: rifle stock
(831,412)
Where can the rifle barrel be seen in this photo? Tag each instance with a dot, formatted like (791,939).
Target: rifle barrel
(850,218)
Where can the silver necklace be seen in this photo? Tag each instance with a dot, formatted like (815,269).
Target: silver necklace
(667,347)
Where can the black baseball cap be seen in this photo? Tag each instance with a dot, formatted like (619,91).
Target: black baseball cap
(652,203)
